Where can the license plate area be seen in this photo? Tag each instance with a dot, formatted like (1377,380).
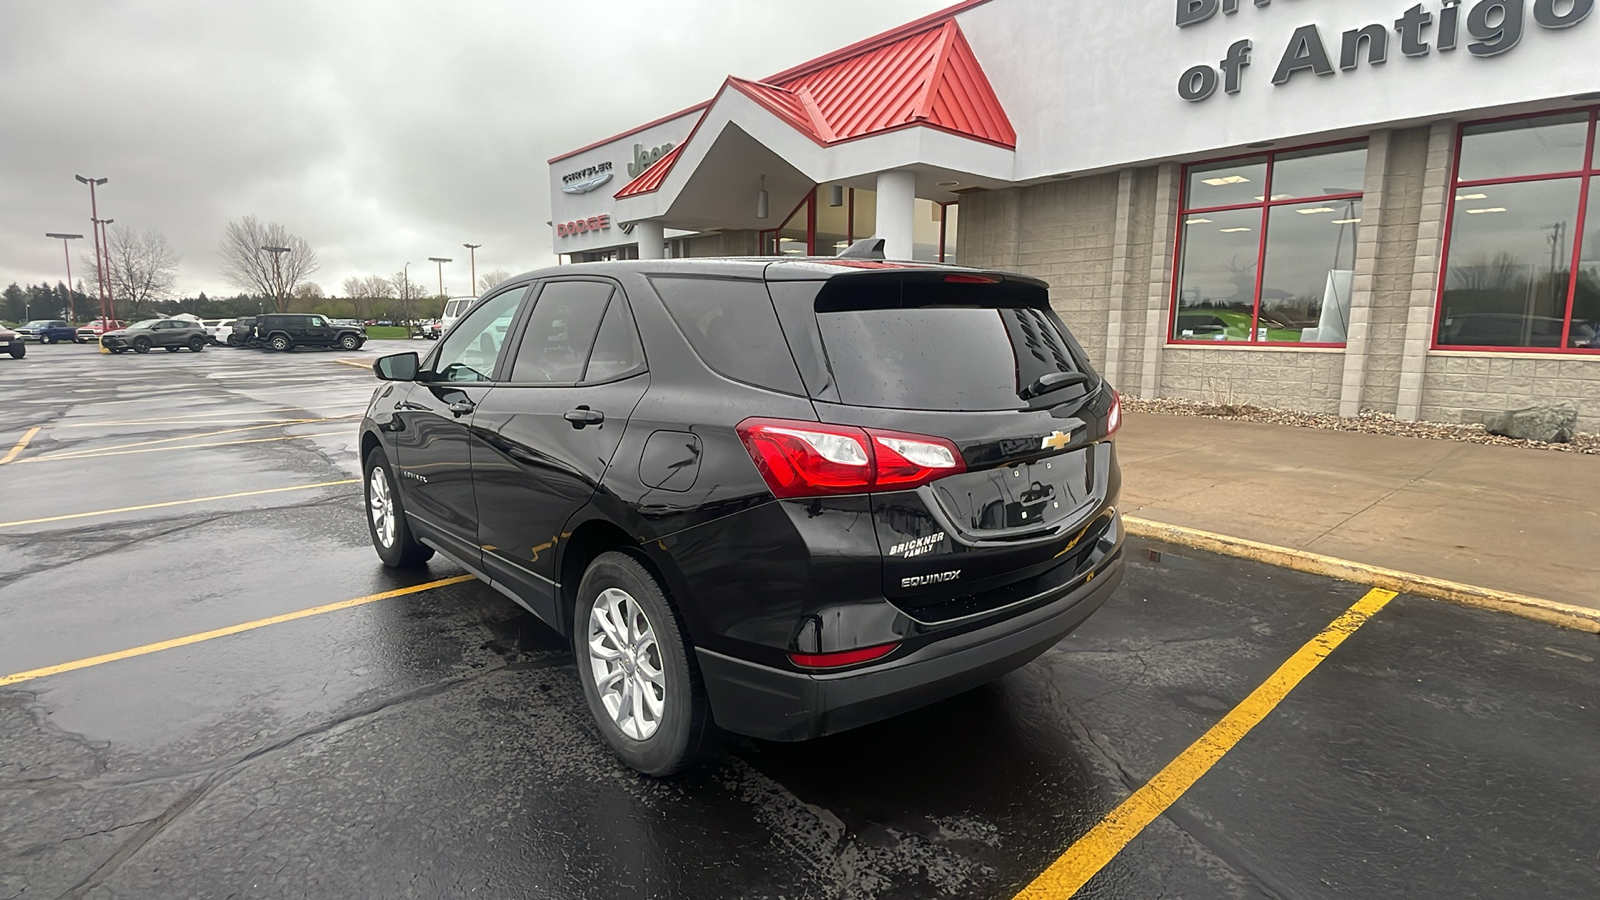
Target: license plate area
(1019,500)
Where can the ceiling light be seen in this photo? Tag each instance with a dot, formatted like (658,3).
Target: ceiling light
(1233,230)
(1472,196)
(1225,180)
(949,184)
(1277,197)
(1316,210)
(1492,209)
(1197,222)
(1346,221)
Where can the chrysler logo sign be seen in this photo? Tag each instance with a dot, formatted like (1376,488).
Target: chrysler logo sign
(586,180)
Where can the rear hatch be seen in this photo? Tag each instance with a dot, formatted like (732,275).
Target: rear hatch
(980,360)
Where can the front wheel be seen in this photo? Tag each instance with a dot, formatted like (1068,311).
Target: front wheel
(142,345)
(280,342)
(386,518)
(638,675)
(79,340)
(18,351)
(118,350)
(47,339)
(350,342)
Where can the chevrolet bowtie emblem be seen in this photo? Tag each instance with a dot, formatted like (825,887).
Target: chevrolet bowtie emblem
(1057,441)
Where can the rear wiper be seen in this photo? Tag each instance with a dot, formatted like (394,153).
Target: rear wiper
(1054,381)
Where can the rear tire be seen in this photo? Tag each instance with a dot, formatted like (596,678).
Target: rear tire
(280,343)
(196,344)
(653,709)
(386,517)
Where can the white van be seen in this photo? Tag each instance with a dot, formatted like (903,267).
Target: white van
(453,310)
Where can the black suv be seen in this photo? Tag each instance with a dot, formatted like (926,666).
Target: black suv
(779,498)
(286,331)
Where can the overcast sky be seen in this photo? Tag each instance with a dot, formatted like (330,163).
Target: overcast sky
(381,132)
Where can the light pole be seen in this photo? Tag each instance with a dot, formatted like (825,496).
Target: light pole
(111,287)
(101,261)
(72,308)
(441,261)
(405,289)
(277,276)
(473,250)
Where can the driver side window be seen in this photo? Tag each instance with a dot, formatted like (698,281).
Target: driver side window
(469,353)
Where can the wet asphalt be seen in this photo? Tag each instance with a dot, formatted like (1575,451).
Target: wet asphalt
(437,744)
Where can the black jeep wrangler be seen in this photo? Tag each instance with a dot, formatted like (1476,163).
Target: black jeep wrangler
(286,331)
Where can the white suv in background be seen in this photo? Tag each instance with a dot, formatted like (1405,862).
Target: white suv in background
(217,330)
(453,310)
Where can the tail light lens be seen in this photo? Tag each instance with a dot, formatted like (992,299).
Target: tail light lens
(809,459)
(1114,417)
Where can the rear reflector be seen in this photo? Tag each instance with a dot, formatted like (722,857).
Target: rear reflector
(809,459)
(1114,417)
(842,658)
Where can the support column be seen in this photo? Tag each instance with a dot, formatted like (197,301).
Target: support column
(897,199)
(1425,275)
(1358,334)
(1158,311)
(1121,275)
(652,238)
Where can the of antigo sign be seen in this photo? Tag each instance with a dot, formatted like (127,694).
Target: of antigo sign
(1489,27)
(583,226)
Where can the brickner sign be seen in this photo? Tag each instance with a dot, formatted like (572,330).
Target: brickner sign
(1489,28)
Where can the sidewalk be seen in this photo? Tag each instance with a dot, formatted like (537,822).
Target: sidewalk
(1507,518)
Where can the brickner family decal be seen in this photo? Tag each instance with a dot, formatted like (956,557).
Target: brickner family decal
(1491,27)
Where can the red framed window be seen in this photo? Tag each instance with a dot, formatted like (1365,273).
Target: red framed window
(1522,243)
(1267,247)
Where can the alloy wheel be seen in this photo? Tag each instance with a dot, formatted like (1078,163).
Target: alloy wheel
(626,661)
(381,506)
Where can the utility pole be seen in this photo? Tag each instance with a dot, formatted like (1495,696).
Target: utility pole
(72,308)
(473,250)
(441,261)
(277,276)
(101,260)
(405,290)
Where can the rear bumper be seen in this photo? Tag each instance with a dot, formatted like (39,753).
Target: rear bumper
(772,704)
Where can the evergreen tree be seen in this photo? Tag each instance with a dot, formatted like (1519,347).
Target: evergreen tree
(14,302)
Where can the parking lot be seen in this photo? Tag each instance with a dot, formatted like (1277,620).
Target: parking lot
(427,738)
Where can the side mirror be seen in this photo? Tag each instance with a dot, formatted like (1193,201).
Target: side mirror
(399,367)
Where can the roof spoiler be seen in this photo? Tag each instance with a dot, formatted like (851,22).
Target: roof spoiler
(866,248)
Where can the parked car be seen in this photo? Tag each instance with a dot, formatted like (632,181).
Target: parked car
(429,330)
(782,499)
(93,330)
(286,331)
(243,333)
(49,331)
(217,330)
(170,334)
(454,309)
(11,342)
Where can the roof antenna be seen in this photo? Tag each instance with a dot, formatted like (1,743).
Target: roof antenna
(866,248)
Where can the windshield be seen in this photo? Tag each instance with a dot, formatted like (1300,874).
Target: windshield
(38,323)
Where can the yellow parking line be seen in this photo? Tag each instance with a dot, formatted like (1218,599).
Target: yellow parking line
(1084,859)
(21,445)
(224,632)
(126,509)
(351,362)
(57,457)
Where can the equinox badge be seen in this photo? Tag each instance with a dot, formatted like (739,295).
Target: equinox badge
(925,580)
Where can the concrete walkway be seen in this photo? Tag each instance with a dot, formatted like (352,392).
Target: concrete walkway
(1499,517)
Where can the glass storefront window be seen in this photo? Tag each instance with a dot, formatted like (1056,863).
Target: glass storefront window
(1522,268)
(1299,292)
(952,221)
(834,228)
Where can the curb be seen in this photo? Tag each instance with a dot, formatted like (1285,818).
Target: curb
(1550,612)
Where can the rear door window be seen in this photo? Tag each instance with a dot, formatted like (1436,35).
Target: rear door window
(561,332)
(733,328)
(920,342)
(617,352)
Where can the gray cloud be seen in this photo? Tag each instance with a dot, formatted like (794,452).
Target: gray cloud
(382,132)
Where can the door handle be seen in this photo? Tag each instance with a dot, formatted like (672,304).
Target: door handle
(463,408)
(583,416)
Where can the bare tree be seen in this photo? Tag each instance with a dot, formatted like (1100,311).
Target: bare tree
(143,268)
(247,264)
(491,280)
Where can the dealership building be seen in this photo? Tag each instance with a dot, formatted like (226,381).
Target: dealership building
(1327,205)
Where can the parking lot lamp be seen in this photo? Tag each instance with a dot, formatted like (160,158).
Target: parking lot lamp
(72,308)
(101,259)
(441,261)
(472,249)
(277,277)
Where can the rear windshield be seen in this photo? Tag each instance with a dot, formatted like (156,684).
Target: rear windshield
(912,343)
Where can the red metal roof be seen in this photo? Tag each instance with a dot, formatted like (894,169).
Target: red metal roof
(651,178)
(928,77)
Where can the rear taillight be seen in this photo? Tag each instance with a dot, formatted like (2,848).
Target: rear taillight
(809,459)
(842,658)
(1114,417)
